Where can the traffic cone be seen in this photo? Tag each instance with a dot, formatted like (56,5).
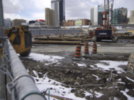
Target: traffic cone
(78,51)
(94,48)
(86,49)
(91,34)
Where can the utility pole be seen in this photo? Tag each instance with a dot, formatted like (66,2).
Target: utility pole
(2,76)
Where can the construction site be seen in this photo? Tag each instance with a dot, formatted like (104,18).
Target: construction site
(68,60)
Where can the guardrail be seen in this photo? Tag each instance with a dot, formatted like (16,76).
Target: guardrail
(22,85)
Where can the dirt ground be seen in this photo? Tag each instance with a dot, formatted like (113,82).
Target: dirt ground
(81,79)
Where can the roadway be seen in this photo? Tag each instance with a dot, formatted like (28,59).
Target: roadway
(102,48)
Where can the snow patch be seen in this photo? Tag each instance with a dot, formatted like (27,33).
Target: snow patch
(55,88)
(81,65)
(98,94)
(128,97)
(35,73)
(97,77)
(130,79)
(116,98)
(88,94)
(45,58)
(108,65)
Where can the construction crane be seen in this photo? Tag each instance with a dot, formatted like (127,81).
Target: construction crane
(107,14)
(106,30)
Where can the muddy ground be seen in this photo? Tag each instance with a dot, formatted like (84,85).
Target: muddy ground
(110,83)
(85,78)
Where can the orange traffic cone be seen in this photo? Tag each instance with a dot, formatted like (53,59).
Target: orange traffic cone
(86,50)
(94,48)
(78,51)
(91,34)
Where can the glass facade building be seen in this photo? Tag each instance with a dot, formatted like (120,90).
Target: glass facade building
(120,16)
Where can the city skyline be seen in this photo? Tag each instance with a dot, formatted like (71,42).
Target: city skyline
(34,9)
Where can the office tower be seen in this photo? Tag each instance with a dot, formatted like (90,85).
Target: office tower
(55,7)
(59,11)
(62,11)
(120,16)
(131,19)
(94,16)
(49,15)
(100,14)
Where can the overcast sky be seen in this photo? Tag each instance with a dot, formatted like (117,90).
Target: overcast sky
(34,9)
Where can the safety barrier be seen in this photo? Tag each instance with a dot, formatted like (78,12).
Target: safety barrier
(55,31)
(22,85)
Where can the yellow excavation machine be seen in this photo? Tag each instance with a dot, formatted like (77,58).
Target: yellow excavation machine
(21,39)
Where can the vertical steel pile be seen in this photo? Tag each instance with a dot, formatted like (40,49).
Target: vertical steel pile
(1,19)
(2,76)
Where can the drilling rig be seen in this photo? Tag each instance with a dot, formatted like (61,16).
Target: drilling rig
(106,30)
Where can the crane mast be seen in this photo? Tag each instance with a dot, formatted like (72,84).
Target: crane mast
(107,14)
(106,31)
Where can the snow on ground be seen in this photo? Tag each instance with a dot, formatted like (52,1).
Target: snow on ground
(128,97)
(108,65)
(130,79)
(98,95)
(120,81)
(97,77)
(45,58)
(55,88)
(81,64)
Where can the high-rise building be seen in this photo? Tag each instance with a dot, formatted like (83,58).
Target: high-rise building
(18,22)
(94,16)
(55,7)
(59,11)
(62,11)
(91,15)
(131,19)
(100,14)
(120,16)
(7,23)
(49,15)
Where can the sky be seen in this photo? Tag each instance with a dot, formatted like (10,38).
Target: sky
(75,9)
